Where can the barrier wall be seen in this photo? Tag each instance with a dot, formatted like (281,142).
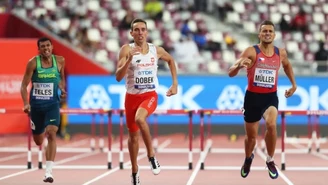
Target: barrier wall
(13,27)
(18,44)
(15,54)
(195,92)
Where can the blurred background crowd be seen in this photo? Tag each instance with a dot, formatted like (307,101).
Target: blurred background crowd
(203,35)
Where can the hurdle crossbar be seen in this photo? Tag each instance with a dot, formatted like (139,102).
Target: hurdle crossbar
(313,137)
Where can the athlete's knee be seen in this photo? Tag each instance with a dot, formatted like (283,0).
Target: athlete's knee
(51,135)
(38,139)
(51,132)
(38,142)
(250,138)
(141,122)
(134,138)
(271,126)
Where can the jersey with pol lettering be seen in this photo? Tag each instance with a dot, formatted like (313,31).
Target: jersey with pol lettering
(141,76)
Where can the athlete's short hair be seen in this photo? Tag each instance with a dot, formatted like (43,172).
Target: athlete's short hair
(43,39)
(266,22)
(136,21)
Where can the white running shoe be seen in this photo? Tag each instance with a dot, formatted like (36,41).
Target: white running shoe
(154,164)
(48,177)
(135,180)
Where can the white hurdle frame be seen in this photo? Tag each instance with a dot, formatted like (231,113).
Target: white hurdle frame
(189,150)
(284,140)
(39,149)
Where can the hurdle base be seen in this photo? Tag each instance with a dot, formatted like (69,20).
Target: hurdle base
(190,166)
(202,166)
(283,166)
(40,165)
(29,165)
(121,165)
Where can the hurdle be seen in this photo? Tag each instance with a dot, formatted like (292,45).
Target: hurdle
(190,150)
(313,136)
(39,149)
(313,131)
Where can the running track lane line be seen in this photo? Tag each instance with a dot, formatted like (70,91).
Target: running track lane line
(163,145)
(69,159)
(282,175)
(320,155)
(199,162)
(11,157)
(73,158)
(17,156)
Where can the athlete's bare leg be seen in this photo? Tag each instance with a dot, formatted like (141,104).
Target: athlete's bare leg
(38,138)
(133,144)
(270,117)
(250,139)
(51,131)
(141,116)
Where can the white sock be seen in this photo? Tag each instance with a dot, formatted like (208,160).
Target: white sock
(269,159)
(49,165)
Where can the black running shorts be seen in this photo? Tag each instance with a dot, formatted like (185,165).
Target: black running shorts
(255,104)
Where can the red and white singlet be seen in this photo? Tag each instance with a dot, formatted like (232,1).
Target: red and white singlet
(141,75)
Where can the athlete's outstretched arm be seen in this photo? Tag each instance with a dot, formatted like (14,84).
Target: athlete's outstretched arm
(30,67)
(289,72)
(164,55)
(62,83)
(244,61)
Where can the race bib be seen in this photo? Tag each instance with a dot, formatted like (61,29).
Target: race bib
(265,78)
(144,79)
(43,91)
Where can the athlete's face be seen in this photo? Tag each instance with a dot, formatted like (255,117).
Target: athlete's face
(267,34)
(139,32)
(45,48)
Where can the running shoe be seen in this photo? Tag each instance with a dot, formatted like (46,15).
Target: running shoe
(135,178)
(273,172)
(246,168)
(48,177)
(154,164)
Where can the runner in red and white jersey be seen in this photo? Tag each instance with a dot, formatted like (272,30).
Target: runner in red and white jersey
(138,65)
(262,62)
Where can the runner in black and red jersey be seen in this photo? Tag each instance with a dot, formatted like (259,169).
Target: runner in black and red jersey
(262,62)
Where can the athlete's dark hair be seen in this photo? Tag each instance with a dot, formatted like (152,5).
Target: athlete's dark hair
(136,21)
(266,22)
(43,39)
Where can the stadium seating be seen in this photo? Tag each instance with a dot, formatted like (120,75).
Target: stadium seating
(104,16)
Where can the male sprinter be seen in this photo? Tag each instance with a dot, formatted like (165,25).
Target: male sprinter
(262,62)
(46,71)
(138,64)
